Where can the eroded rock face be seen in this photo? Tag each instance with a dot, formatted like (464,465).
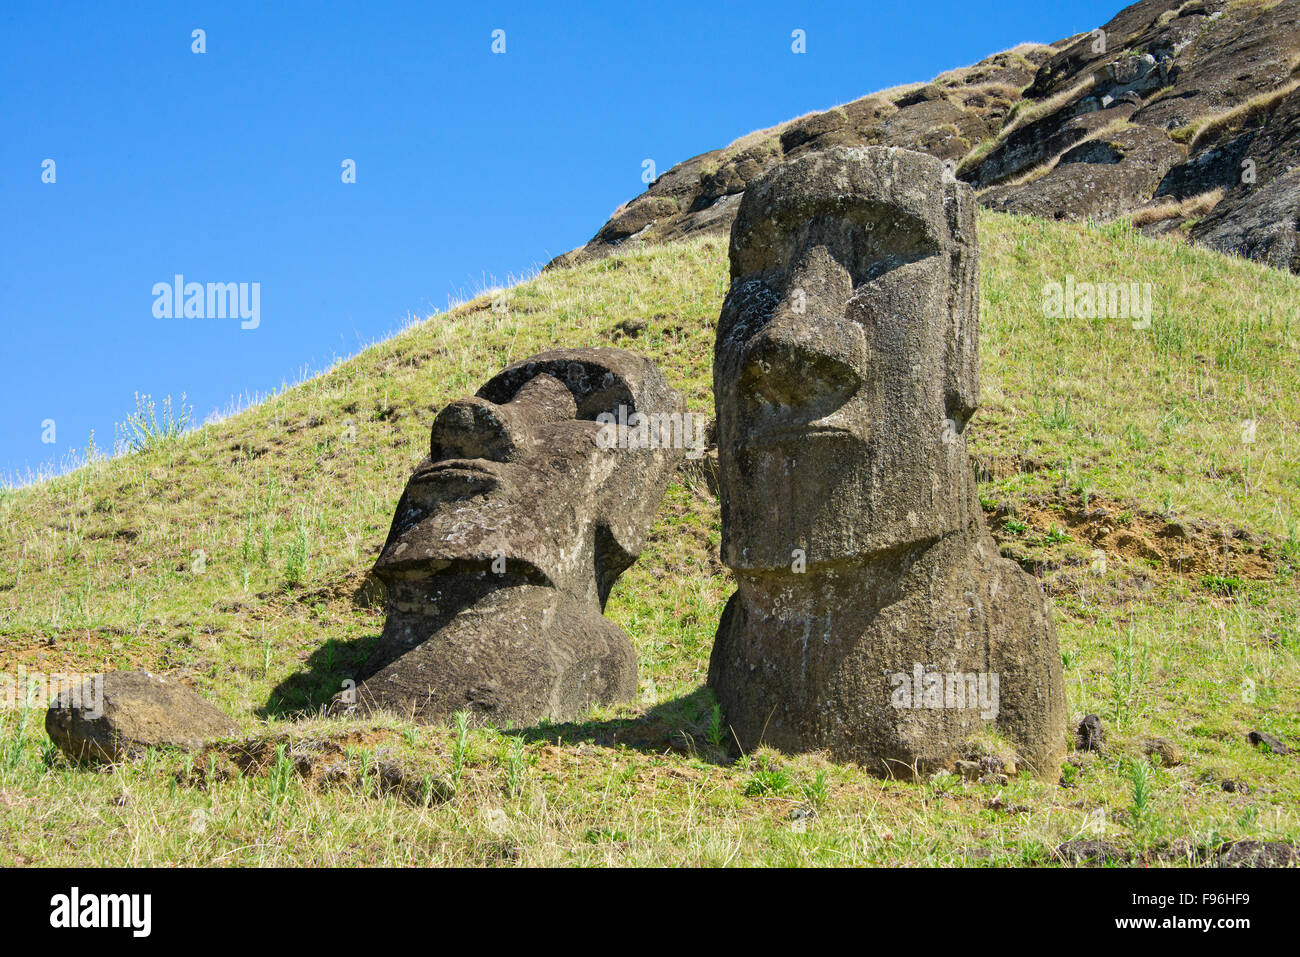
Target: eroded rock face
(508,538)
(873,615)
(1100,179)
(118,716)
(1169,98)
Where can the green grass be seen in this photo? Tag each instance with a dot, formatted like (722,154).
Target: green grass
(289,501)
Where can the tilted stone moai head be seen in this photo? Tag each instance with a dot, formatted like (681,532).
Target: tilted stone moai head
(508,539)
(845,373)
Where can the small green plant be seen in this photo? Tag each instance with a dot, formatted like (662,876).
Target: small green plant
(1015,526)
(279,780)
(1226,585)
(767,779)
(1139,776)
(1059,418)
(295,566)
(12,754)
(816,791)
(716,733)
(1129,669)
(429,789)
(1056,536)
(149,427)
(459,746)
(516,766)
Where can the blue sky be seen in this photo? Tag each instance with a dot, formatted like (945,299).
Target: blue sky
(472,168)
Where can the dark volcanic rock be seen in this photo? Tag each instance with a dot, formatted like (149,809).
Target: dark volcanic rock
(1100,179)
(1267,740)
(509,537)
(1261,224)
(117,716)
(873,616)
(1090,735)
(1215,168)
(1039,143)
(1168,753)
(1257,854)
(1109,130)
(946,118)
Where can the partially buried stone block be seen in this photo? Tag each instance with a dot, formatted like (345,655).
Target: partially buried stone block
(874,617)
(537,494)
(120,715)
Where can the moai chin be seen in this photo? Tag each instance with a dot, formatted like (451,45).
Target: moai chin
(508,538)
(874,617)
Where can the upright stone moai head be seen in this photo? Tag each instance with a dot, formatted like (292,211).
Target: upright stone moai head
(846,367)
(845,373)
(509,537)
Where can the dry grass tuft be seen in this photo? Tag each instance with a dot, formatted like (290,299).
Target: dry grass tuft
(1047,107)
(1210,127)
(1197,205)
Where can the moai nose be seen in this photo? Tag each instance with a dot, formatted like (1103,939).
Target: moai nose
(474,428)
(800,358)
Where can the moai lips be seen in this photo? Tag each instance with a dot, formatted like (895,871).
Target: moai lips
(873,616)
(507,541)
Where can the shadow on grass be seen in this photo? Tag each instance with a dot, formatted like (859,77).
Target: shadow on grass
(682,725)
(310,689)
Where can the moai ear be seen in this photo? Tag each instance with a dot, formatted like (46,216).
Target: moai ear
(961,387)
(635,486)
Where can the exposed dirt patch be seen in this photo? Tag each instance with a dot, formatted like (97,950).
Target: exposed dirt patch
(356,759)
(73,651)
(360,589)
(1188,547)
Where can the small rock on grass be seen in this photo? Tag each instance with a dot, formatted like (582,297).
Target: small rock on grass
(1267,740)
(1090,736)
(118,716)
(1170,754)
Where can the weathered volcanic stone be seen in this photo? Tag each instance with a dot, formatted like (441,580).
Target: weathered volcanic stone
(117,716)
(1084,184)
(507,540)
(845,372)
(1078,129)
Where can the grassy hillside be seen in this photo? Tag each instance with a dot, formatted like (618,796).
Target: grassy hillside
(1117,463)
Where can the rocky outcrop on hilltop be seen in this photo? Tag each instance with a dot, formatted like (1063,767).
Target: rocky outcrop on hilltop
(1184,114)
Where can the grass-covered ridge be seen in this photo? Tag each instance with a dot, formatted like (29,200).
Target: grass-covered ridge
(1118,462)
